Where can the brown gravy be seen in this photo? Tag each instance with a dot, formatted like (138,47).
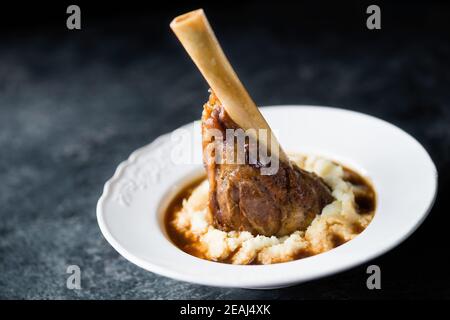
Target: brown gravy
(365,199)
(174,206)
(364,192)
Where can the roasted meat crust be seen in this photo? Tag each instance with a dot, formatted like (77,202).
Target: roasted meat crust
(241,198)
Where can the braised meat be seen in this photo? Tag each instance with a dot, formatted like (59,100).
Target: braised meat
(241,198)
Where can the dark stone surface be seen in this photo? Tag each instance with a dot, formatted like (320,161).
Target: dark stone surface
(75,104)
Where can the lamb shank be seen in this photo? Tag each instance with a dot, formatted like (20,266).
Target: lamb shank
(240,197)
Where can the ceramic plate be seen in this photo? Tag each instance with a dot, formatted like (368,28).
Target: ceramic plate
(130,210)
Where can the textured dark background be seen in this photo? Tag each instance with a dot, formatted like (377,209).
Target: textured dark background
(73,104)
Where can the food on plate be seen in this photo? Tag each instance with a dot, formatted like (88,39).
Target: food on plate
(190,223)
(257,205)
(243,199)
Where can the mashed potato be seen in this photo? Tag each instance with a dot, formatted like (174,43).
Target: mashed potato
(338,222)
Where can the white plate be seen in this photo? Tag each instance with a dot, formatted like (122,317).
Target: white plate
(130,211)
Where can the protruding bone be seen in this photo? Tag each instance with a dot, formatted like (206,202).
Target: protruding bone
(195,33)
